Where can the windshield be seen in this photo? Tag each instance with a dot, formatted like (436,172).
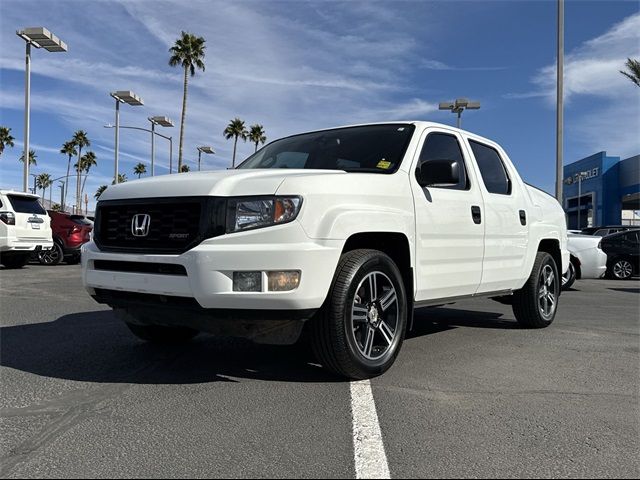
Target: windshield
(23,204)
(371,148)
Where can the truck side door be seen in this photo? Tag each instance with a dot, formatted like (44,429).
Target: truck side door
(506,218)
(449,235)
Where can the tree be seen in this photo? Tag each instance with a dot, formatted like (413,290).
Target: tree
(88,160)
(56,207)
(256,135)
(69,149)
(122,177)
(188,52)
(633,73)
(99,191)
(43,181)
(139,169)
(6,139)
(184,168)
(80,140)
(33,158)
(234,130)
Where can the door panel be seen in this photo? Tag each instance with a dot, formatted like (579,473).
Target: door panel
(449,244)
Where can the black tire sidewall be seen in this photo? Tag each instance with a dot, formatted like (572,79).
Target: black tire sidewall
(548,260)
(382,263)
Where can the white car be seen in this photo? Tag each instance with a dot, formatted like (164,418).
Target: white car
(587,259)
(345,230)
(25,227)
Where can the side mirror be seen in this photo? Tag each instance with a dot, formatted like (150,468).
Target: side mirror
(439,173)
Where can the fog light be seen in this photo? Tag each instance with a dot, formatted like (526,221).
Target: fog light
(247,281)
(283,281)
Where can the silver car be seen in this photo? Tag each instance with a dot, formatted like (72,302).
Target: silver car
(587,259)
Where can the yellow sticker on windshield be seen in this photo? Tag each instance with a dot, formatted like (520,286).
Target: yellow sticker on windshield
(384,164)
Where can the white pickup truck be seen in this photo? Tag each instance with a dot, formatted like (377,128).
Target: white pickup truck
(345,231)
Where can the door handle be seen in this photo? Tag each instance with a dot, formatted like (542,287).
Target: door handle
(476,214)
(523,217)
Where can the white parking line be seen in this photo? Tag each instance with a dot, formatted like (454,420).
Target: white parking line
(370,457)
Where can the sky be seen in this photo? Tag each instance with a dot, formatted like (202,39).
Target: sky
(295,66)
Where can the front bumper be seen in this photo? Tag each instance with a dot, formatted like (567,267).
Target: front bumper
(210,266)
(16,245)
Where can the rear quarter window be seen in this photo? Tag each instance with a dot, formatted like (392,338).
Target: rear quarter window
(26,204)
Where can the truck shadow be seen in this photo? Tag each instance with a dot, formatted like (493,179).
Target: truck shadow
(96,347)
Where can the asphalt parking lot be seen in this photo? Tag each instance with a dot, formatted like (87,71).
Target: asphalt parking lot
(471,395)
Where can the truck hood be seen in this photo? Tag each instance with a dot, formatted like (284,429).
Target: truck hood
(220,183)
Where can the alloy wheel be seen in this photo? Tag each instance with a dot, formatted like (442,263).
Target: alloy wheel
(375,316)
(547,292)
(622,269)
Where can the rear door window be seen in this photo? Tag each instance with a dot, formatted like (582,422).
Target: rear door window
(494,174)
(26,204)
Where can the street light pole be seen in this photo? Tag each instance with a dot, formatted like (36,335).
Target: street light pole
(27,113)
(205,149)
(163,122)
(559,100)
(130,98)
(39,37)
(153,145)
(458,106)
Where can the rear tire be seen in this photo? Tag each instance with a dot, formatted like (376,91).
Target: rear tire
(620,269)
(536,303)
(51,257)
(569,278)
(359,330)
(14,261)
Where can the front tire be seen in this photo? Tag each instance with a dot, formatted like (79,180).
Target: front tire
(535,304)
(360,329)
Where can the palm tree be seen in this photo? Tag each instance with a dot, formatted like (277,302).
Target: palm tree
(88,160)
(6,139)
(122,177)
(188,52)
(69,149)
(32,157)
(43,181)
(633,74)
(234,130)
(139,169)
(99,191)
(256,135)
(184,168)
(80,140)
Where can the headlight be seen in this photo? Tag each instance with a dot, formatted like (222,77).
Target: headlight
(258,212)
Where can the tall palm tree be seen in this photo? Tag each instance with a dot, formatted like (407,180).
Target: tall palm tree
(80,140)
(234,130)
(6,139)
(139,169)
(32,157)
(256,135)
(99,191)
(188,52)
(88,160)
(43,181)
(633,73)
(69,149)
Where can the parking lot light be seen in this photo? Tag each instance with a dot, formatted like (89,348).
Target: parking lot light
(163,122)
(205,149)
(458,106)
(130,98)
(39,37)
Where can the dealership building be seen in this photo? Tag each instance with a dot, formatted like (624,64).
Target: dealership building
(602,190)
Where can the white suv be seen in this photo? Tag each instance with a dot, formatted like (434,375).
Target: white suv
(345,230)
(25,227)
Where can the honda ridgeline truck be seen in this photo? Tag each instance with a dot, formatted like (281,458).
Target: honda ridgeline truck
(340,232)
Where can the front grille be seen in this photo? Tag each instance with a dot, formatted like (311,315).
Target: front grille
(140,267)
(175,224)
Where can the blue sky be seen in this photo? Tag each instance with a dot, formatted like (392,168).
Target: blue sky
(295,66)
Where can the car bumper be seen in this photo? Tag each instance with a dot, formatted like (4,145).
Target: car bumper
(210,266)
(593,265)
(25,245)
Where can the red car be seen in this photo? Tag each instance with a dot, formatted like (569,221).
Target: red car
(70,232)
